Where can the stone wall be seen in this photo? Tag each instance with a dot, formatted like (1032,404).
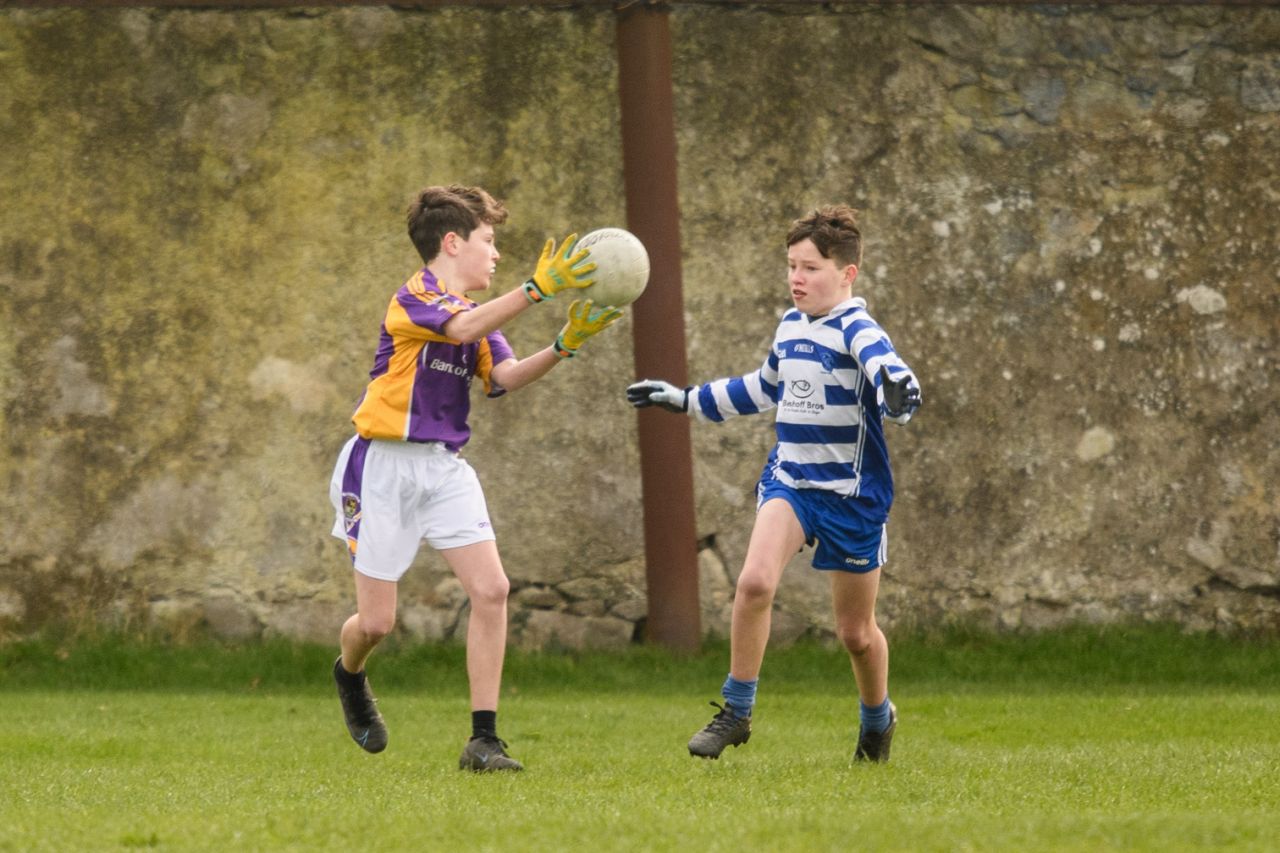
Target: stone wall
(1071,236)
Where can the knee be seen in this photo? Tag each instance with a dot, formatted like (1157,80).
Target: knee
(491,594)
(754,588)
(376,627)
(857,638)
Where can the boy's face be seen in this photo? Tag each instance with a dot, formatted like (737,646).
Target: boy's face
(817,284)
(477,258)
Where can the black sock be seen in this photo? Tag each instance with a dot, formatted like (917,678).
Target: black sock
(484,724)
(350,679)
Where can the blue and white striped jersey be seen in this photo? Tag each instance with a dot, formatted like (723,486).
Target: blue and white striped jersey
(823,376)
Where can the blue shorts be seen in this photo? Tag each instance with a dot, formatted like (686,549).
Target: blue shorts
(847,541)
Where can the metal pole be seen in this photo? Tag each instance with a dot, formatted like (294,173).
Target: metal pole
(653,215)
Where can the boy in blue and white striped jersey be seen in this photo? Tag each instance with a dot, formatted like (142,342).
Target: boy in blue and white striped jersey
(833,377)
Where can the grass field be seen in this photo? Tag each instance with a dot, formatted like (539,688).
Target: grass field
(1080,740)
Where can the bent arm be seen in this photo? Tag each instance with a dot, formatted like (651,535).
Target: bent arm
(516,373)
(470,326)
(896,386)
(897,389)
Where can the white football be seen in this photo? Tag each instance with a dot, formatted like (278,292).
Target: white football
(622,266)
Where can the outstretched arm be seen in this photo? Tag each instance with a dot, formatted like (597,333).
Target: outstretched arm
(584,322)
(713,401)
(716,400)
(557,270)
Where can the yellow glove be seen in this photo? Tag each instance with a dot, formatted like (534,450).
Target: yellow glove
(583,323)
(558,269)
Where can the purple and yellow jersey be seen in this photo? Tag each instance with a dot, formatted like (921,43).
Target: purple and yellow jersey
(419,388)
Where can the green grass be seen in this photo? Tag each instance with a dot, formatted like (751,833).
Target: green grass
(1078,740)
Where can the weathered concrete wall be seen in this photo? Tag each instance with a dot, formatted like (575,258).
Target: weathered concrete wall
(1071,235)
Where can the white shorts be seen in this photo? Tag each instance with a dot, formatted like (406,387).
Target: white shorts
(389,496)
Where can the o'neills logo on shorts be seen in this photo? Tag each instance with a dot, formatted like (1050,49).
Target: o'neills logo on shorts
(856,561)
(350,509)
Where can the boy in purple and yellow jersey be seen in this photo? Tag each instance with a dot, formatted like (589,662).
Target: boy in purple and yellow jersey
(400,480)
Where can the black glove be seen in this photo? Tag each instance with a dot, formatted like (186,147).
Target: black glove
(649,392)
(899,397)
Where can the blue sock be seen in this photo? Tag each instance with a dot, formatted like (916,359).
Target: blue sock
(740,696)
(875,719)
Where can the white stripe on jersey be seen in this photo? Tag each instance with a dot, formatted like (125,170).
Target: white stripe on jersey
(822,376)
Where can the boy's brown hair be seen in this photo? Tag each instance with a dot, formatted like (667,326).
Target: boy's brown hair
(833,228)
(438,210)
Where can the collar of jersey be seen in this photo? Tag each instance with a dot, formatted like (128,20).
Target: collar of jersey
(851,304)
(434,285)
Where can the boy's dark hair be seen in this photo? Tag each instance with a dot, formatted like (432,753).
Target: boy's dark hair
(438,210)
(833,228)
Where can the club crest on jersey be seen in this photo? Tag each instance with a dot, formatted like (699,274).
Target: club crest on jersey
(827,360)
(801,388)
(796,399)
(350,509)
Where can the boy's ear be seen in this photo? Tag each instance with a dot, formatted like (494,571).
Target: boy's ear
(449,243)
(850,273)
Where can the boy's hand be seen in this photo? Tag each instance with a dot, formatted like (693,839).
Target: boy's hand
(651,392)
(560,269)
(583,323)
(899,397)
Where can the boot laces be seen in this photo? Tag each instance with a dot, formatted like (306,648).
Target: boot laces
(724,721)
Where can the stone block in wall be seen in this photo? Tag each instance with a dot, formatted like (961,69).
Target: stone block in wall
(428,624)
(587,589)
(230,618)
(787,626)
(13,608)
(174,618)
(307,620)
(631,609)
(555,629)
(806,591)
(587,607)
(537,597)
(715,590)
(449,594)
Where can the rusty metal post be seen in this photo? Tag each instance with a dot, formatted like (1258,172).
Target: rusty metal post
(653,215)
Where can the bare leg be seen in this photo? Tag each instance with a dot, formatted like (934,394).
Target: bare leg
(854,598)
(776,536)
(374,618)
(479,569)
